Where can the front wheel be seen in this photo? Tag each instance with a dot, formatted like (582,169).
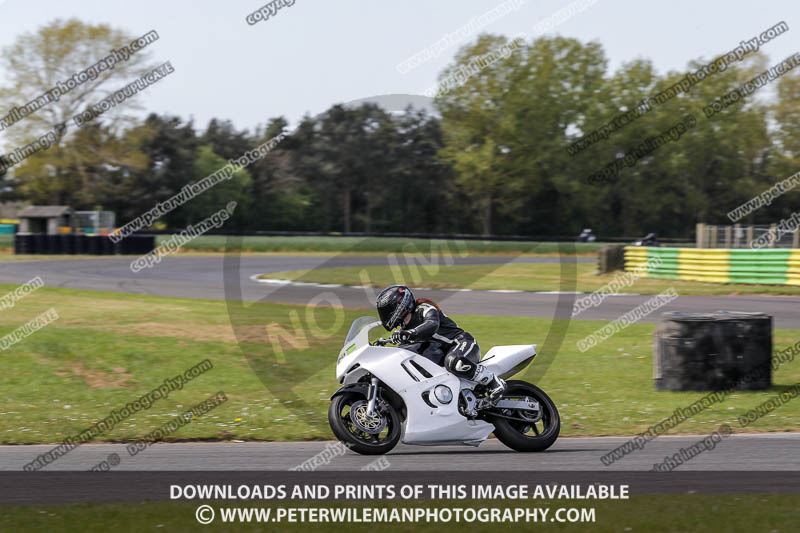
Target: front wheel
(361,433)
(522,431)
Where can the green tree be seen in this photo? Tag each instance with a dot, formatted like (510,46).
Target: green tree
(280,196)
(216,198)
(171,149)
(36,63)
(342,155)
(786,113)
(86,170)
(505,127)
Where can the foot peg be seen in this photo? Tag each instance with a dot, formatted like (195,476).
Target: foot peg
(468,403)
(494,385)
(496,390)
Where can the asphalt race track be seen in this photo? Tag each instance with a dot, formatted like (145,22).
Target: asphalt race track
(203,277)
(762,452)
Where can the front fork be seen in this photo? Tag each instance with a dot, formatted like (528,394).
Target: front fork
(372,397)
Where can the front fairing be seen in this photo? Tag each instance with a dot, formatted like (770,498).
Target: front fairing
(357,338)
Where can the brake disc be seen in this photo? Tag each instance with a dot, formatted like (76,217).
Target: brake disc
(370,424)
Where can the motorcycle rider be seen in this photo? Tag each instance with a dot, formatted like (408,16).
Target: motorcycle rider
(423,322)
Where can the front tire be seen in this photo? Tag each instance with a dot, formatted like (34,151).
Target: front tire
(351,405)
(527,436)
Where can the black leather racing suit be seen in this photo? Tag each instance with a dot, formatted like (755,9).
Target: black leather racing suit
(438,338)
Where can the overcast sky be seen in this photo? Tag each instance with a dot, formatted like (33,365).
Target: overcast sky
(319,52)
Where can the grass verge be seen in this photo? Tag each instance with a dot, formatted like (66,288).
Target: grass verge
(217,243)
(651,513)
(108,349)
(516,276)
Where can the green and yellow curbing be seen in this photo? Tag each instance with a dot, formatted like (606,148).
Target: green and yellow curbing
(716,265)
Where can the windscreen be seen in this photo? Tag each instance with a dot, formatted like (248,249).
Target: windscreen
(358,325)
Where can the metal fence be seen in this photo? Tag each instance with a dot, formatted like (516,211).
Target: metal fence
(739,236)
(96,222)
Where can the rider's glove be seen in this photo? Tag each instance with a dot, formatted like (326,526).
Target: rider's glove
(401,337)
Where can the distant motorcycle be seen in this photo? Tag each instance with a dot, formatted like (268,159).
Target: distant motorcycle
(390,394)
(648,240)
(587,236)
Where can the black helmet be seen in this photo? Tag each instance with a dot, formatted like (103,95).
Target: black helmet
(393,304)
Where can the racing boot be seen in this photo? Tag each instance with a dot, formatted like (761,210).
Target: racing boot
(494,385)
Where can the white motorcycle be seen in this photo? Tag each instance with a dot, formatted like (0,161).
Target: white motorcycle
(390,394)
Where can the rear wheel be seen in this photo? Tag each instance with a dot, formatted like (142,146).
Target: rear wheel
(527,431)
(367,435)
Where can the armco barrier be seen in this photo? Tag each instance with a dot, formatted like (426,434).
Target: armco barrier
(772,266)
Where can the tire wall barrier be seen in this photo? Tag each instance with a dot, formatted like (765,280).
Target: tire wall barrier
(779,266)
(40,244)
(713,351)
(611,258)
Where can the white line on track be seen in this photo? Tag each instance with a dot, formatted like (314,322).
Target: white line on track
(284,282)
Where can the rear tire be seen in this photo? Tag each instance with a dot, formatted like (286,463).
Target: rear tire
(355,438)
(516,434)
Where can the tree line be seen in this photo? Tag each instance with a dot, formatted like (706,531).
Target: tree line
(497,157)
